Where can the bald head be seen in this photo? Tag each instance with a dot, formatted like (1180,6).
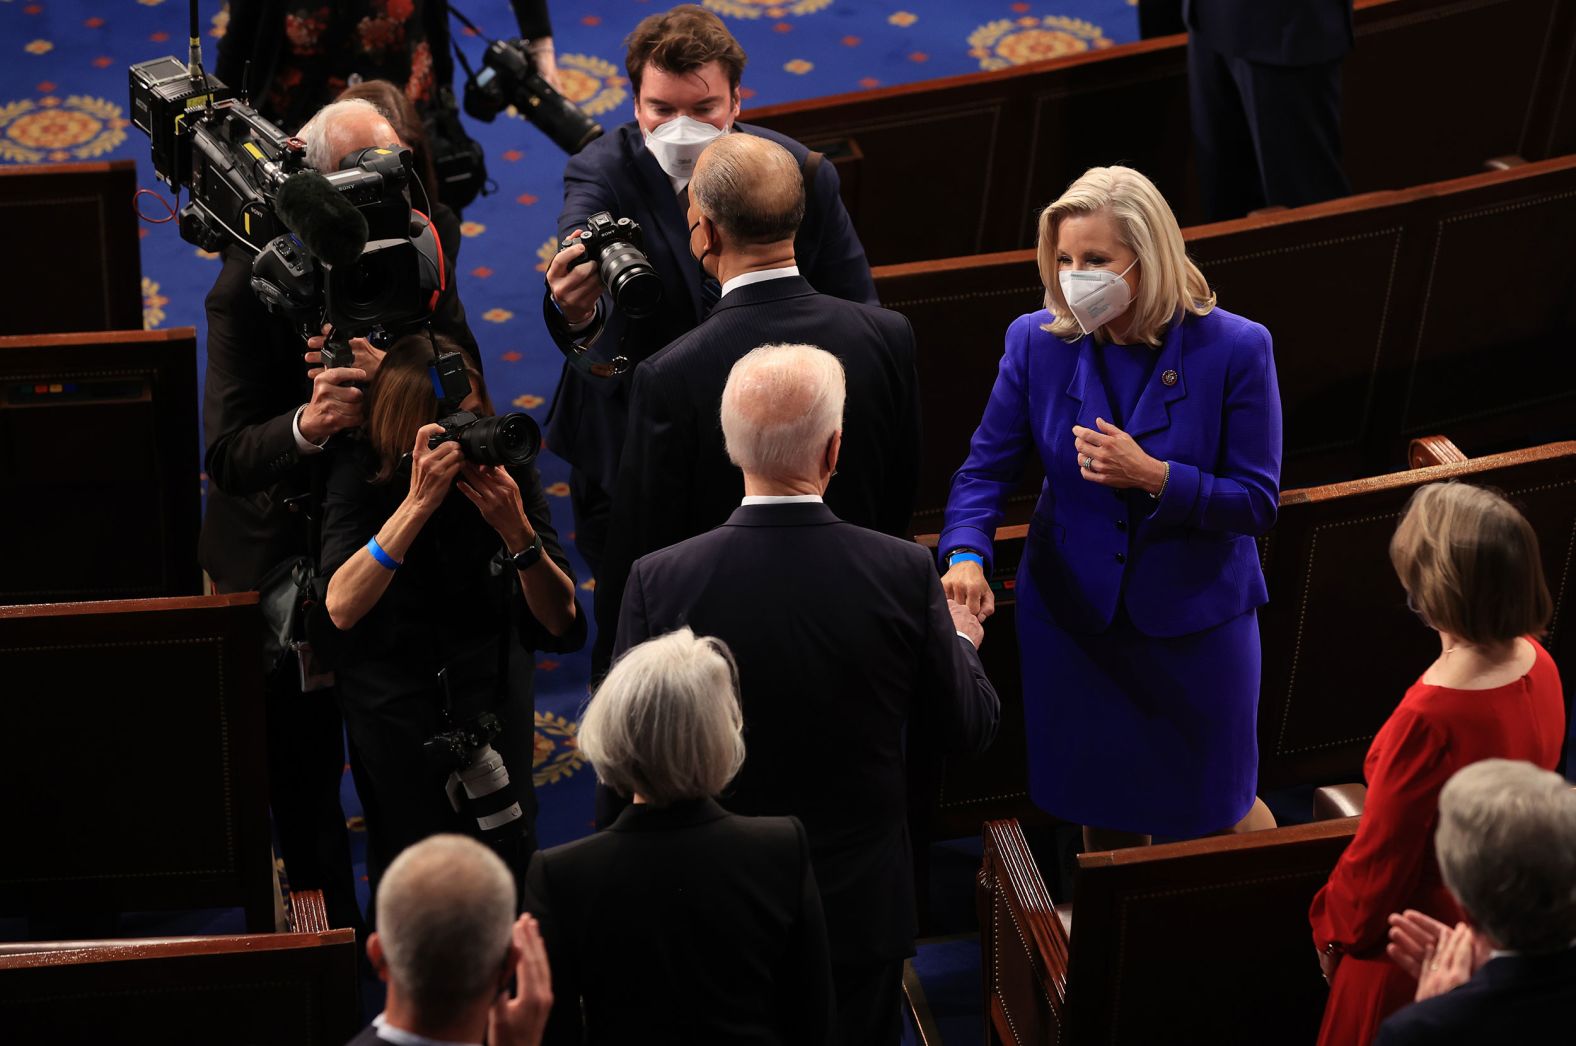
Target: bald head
(344,127)
(444,912)
(751,187)
(781,408)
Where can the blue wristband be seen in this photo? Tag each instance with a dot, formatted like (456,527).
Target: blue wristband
(384,559)
(965,556)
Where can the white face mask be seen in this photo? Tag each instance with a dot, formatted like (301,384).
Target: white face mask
(678,143)
(1095,296)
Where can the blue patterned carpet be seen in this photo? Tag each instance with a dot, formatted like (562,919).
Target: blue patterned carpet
(63,97)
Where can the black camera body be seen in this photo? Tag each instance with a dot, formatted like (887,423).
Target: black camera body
(614,245)
(504,439)
(454,749)
(509,77)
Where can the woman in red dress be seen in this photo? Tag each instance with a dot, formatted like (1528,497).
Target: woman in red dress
(1470,565)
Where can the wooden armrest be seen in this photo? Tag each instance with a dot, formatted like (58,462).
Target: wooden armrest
(1274,208)
(25,955)
(1336,801)
(1503,163)
(1433,450)
(308,912)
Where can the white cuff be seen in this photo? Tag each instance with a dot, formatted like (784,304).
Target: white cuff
(304,445)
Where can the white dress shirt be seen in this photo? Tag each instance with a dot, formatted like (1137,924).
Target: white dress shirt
(744,279)
(409,1038)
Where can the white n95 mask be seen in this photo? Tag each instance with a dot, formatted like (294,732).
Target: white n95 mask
(1095,296)
(678,143)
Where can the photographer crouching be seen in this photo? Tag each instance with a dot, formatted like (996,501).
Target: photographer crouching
(446,575)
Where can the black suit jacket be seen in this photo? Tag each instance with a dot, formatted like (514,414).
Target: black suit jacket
(843,641)
(1512,999)
(1273,32)
(255,382)
(617,173)
(684,924)
(675,479)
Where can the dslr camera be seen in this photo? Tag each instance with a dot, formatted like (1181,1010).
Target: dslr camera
(509,76)
(613,245)
(506,439)
(478,777)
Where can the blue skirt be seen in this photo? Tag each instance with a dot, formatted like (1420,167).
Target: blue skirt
(1137,733)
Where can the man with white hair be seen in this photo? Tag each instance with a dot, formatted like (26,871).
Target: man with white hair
(1506,844)
(268,413)
(448,944)
(851,663)
(746,203)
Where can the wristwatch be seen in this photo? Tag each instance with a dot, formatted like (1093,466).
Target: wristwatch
(527,557)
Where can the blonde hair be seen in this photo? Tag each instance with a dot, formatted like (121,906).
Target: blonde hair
(1168,281)
(1470,564)
(666,721)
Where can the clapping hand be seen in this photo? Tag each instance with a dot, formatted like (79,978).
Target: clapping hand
(1110,457)
(1440,957)
(519,1019)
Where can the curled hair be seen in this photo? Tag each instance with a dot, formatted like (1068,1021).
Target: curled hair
(1506,845)
(445,909)
(1169,284)
(681,41)
(751,187)
(401,399)
(666,722)
(1470,564)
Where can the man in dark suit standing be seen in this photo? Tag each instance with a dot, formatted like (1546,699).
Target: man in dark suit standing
(851,664)
(1264,78)
(684,67)
(446,949)
(1506,845)
(675,479)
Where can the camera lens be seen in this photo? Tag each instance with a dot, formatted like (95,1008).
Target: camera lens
(510,439)
(628,275)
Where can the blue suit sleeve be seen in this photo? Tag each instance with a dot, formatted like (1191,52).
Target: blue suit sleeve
(996,454)
(1242,496)
(841,268)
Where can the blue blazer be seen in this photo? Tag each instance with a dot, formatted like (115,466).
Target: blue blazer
(617,173)
(1179,565)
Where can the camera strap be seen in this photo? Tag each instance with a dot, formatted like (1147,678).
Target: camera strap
(577,355)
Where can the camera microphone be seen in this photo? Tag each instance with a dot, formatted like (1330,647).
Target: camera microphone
(329,226)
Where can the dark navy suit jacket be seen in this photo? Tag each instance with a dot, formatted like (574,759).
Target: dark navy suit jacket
(847,662)
(1516,998)
(675,479)
(1183,564)
(617,173)
(1273,32)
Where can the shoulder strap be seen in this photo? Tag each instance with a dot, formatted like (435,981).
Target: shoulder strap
(810,168)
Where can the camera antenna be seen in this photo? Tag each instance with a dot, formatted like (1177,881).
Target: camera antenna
(194,45)
(246,83)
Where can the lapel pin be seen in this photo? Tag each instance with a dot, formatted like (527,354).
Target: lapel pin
(1169,378)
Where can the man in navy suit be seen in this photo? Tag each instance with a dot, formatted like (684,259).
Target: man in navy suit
(684,67)
(1264,78)
(851,664)
(1506,844)
(675,479)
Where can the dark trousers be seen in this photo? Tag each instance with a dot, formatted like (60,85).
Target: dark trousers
(592,507)
(402,792)
(306,763)
(869,1003)
(1160,18)
(1264,135)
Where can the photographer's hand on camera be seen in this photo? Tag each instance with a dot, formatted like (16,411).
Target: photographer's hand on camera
(336,404)
(548,591)
(367,356)
(432,471)
(575,287)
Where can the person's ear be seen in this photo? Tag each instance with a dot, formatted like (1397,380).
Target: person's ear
(511,960)
(833,447)
(375,956)
(733,116)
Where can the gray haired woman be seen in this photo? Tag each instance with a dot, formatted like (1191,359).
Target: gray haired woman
(681,922)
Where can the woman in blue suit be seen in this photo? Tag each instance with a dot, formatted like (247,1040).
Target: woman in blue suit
(1157,419)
